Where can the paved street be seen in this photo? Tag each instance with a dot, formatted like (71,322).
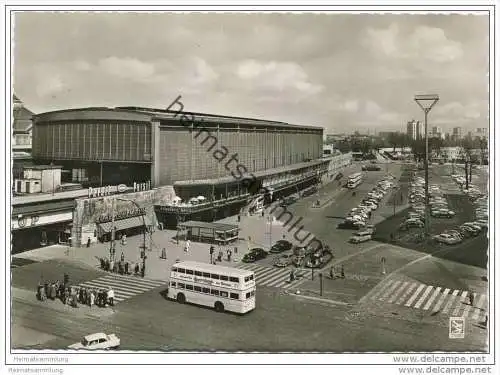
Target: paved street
(404,305)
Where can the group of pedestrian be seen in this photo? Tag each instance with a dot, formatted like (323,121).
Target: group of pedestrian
(74,295)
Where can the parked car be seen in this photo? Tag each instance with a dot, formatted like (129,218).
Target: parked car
(414,223)
(319,258)
(280,246)
(254,255)
(447,239)
(97,341)
(443,213)
(284,260)
(350,225)
(360,237)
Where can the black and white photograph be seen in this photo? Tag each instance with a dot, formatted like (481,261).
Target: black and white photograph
(196,185)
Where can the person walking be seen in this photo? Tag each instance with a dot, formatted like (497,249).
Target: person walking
(88,242)
(122,257)
(111,296)
(471,298)
(186,246)
(332,273)
(92,298)
(342,274)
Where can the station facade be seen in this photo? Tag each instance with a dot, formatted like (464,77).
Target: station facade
(141,168)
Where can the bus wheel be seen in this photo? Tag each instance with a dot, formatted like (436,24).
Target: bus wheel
(181,298)
(219,307)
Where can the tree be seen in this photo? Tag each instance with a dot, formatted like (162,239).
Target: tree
(466,154)
(393,140)
(418,149)
(435,144)
(483,147)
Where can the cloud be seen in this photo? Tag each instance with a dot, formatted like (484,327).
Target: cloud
(277,77)
(351,105)
(425,42)
(81,65)
(50,85)
(127,68)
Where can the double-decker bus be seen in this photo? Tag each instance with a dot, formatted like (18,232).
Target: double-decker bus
(223,288)
(354,180)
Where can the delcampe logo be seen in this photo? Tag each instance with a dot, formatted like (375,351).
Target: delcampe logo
(457,327)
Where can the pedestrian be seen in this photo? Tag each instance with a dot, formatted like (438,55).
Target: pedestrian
(111,296)
(332,274)
(485,323)
(219,257)
(471,299)
(342,274)
(126,268)
(92,298)
(292,275)
(106,266)
(262,213)
(122,257)
(88,242)
(239,218)
(236,249)
(111,265)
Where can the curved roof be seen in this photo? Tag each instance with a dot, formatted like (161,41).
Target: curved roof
(149,114)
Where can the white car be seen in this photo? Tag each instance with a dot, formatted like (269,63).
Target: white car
(482,223)
(447,239)
(97,341)
(361,237)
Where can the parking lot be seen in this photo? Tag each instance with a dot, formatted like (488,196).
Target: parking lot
(458,224)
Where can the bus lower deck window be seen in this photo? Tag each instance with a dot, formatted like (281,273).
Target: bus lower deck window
(214,292)
(180,285)
(197,289)
(172,283)
(189,287)
(223,294)
(205,290)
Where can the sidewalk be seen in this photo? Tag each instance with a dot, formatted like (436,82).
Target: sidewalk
(257,228)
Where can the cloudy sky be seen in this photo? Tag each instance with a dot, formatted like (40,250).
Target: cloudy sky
(342,72)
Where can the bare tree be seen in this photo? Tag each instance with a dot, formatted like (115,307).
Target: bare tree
(393,140)
(466,154)
(483,147)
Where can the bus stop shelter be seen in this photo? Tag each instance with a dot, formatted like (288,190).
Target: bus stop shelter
(199,231)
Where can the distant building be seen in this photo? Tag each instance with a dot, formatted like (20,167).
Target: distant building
(456,133)
(481,133)
(385,135)
(22,126)
(415,130)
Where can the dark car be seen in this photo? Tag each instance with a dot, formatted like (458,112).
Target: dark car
(280,246)
(254,255)
(348,225)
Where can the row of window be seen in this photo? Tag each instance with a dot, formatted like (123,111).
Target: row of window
(211,291)
(210,275)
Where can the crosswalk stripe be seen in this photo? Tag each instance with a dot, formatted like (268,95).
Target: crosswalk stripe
(415,295)
(433,297)
(424,296)
(389,291)
(119,283)
(134,283)
(450,301)
(382,289)
(292,284)
(479,306)
(406,294)
(270,281)
(441,300)
(459,304)
(117,290)
(468,307)
(136,280)
(263,276)
(401,288)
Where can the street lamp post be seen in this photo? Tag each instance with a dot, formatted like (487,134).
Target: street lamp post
(426,102)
